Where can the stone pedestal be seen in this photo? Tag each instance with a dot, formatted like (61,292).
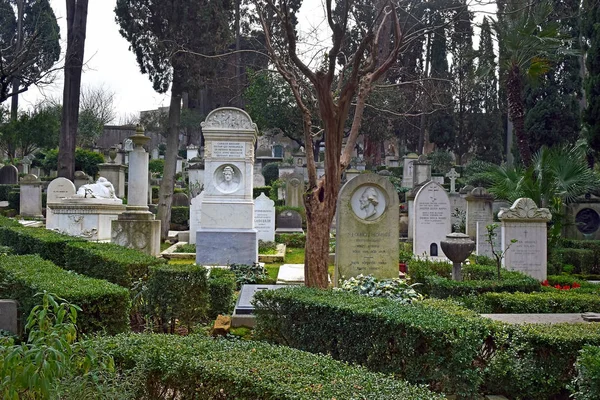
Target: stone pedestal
(227,233)
(421,171)
(115,173)
(479,209)
(136,228)
(407,172)
(31,197)
(81,178)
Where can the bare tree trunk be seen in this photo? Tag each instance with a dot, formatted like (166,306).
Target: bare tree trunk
(516,112)
(76,27)
(165,194)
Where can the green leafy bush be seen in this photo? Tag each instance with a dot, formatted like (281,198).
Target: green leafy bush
(204,368)
(180,215)
(221,284)
(245,274)
(85,160)
(271,173)
(294,240)
(267,247)
(563,301)
(156,166)
(586,385)
(428,342)
(584,260)
(112,262)
(393,289)
(177,292)
(5,189)
(257,190)
(14,200)
(105,307)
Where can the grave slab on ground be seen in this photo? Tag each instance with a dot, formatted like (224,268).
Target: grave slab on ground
(243,313)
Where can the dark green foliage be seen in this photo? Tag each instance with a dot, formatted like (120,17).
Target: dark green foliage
(557,301)
(295,240)
(396,171)
(221,284)
(204,368)
(14,200)
(156,166)
(85,160)
(105,307)
(48,244)
(590,21)
(431,342)
(584,260)
(586,385)
(256,191)
(271,173)
(244,274)
(112,262)
(180,215)
(5,189)
(177,292)
(9,222)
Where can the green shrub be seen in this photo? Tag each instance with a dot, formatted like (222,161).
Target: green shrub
(105,307)
(256,191)
(9,222)
(586,385)
(393,289)
(14,200)
(112,262)
(396,171)
(221,284)
(177,292)
(5,189)
(155,190)
(271,173)
(156,166)
(418,269)
(429,342)
(186,248)
(48,244)
(180,215)
(204,368)
(294,240)
(85,160)
(267,247)
(560,301)
(245,274)
(584,260)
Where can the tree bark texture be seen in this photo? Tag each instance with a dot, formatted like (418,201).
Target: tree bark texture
(76,29)
(165,194)
(516,112)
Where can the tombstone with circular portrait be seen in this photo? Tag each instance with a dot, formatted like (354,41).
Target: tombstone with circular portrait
(367,228)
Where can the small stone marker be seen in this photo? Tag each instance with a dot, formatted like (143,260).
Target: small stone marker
(291,274)
(431,220)
(288,221)
(264,218)
(9,316)
(9,175)
(221,326)
(407,171)
(244,309)
(479,209)
(526,223)
(367,225)
(452,175)
(195,214)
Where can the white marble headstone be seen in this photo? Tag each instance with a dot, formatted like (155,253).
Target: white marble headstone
(195,214)
(431,220)
(58,189)
(264,218)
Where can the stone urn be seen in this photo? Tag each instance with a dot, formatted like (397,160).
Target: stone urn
(457,247)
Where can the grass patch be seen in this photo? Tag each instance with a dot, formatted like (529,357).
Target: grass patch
(294,256)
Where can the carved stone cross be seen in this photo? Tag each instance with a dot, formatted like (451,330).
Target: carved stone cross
(452,175)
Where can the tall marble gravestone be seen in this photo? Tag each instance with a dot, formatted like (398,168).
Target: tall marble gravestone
(527,224)
(407,171)
(264,218)
(431,221)
(367,239)
(227,233)
(58,189)
(9,175)
(195,215)
(479,209)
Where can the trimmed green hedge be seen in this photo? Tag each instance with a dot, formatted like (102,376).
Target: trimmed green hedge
(559,301)
(204,368)
(256,191)
(9,222)
(295,240)
(105,307)
(584,260)
(48,244)
(5,189)
(587,382)
(177,292)
(432,342)
(180,215)
(221,285)
(14,200)
(112,262)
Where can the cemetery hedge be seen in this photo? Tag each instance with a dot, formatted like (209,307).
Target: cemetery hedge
(201,367)
(587,382)
(177,292)
(14,200)
(221,285)
(9,222)
(295,240)
(5,189)
(112,262)
(435,342)
(105,307)
(559,301)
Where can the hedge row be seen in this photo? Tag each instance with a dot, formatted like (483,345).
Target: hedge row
(5,189)
(559,301)
(295,240)
(583,254)
(105,307)
(201,367)
(112,262)
(435,342)
(221,286)
(587,381)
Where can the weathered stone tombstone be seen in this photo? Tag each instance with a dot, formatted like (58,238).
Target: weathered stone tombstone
(264,218)
(479,209)
(288,221)
(154,154)
(180,200)
(192,152)
(421,170)
(431,221)
(9,314)
(483,246)
(452,175)
(367,238)
(227,233)
(195,215)
(527,224)
(115,173)
(31,197)
(81,178)
(9,175)
(58,189)
(294,188)
(407,172)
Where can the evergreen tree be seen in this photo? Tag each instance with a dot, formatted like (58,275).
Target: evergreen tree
(591,37)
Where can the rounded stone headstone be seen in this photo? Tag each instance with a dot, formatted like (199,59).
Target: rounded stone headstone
(9,175)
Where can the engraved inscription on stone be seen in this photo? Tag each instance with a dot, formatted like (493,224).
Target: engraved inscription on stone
(587,221)
(228,149)
(368,202)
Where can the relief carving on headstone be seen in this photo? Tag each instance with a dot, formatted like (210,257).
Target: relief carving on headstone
(228,178)
(368,203)
(229,119)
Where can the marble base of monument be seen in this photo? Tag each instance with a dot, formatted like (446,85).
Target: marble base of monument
(226,246)
(86,218)
(137,229)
